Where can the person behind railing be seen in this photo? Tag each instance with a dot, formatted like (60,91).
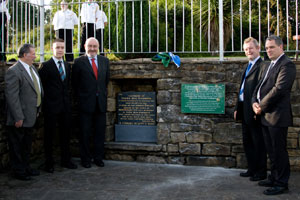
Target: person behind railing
(88,13)
(64,21)
(100,25)
(4,20)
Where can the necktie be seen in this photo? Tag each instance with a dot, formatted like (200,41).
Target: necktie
(243,84)
(95,69)
(258,92)
(61,71)
(36,87)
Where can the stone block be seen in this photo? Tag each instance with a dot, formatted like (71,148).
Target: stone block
(169,113)
(292,143)
(228,133)
(215,150)
(215,77)
(173,148)
(211,161)
(294,152)
(176,160)
(295,163)
(110,118)
(163,133)
(164,147)
(163,97)
(292,135)
(120,157)
(111,105)
(168,84)
(237,149)
(181,127)
(176,98)
(177,137)
(241,161)
(109,133)
(151,159)
(189,149)
(195,137)
(296,110)
(296,121)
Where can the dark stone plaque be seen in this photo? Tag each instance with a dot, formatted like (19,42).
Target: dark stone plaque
(136,108)
(136,113)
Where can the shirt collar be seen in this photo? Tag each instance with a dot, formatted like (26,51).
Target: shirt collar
(275,61)
(56,60)
(24,64)
(254,61)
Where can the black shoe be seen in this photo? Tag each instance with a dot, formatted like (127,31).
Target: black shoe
(22,177)
(276,190)
(266,183)
(246,174)
(86,165)
(49,168)
(99,163)
(69,165)
(257,178)
(32,172)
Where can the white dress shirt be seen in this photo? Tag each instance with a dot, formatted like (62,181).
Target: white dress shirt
(101,19)
(88,12)
(66,19)
(57,64)
(3,8)
(26,66)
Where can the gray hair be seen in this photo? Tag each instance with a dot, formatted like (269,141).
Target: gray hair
(278,40)
(25,48)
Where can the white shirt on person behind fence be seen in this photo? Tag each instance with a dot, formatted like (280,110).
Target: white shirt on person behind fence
(101,19)
(88,12)
(64,20)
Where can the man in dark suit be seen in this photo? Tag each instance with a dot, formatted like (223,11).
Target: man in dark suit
(55,76)
(23,93)
(271,101)
(252,134)
(90,77)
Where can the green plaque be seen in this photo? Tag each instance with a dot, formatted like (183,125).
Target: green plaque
(203,98)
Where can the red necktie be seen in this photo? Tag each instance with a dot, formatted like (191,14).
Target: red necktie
(95,69)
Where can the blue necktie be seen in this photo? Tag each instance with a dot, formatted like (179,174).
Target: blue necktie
(246,73)
(61,71)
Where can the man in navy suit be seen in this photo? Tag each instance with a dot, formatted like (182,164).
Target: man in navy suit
(271,101)
(90,76)
(55,76)
(251,127)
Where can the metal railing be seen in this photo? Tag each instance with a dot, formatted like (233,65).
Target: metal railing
(152,26)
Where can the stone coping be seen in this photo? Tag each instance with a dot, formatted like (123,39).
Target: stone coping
(132,146)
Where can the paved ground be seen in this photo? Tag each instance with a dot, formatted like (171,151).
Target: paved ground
(130,180)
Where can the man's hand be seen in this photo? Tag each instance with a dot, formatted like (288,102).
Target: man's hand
(19,124)
(234,115)
(256,108)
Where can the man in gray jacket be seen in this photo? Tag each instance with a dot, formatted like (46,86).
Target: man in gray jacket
(23,93)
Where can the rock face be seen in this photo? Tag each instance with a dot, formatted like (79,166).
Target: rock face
(182,138)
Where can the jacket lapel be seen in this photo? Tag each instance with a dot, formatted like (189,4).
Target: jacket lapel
(90,68)
(26,75)
(54,68)
(100,66)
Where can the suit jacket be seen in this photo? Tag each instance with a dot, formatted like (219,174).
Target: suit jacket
(275,94)
(57,94)
(89,91)
(21,97)
(244,110)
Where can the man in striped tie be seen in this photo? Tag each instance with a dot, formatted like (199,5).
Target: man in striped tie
(251,127)
(55,76)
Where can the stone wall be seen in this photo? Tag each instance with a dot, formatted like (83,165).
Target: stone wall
(192,139)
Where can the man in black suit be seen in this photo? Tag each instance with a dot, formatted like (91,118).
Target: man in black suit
(271,101)
(90,77)
(23,93)
(252,134)
(55,76)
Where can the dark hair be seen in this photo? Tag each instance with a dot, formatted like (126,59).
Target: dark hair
(25,48)
(58,40)
(277,39)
